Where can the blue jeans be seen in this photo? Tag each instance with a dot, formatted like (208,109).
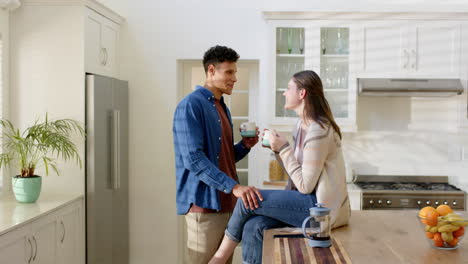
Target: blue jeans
(252,237)
(278,209)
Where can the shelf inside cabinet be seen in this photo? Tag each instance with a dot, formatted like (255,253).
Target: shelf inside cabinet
(290,55)
(342,56)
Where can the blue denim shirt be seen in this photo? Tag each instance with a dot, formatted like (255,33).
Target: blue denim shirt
(197,143)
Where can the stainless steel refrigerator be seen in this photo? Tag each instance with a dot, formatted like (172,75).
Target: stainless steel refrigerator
(106,170)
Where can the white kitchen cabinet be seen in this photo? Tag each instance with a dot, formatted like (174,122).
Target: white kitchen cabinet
(410,49)
(384,47)
(31,243)
(329,49)
(54,238)
(43,235)
(436,48)
(70,235)
(101,44)
(16,246)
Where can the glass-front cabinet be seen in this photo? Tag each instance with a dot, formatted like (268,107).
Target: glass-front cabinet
(328,48)
(290,58)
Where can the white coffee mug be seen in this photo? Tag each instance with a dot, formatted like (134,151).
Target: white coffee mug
(248,129)
(248,126)
(266,138)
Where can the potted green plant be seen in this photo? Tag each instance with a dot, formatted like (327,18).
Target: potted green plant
(38,145)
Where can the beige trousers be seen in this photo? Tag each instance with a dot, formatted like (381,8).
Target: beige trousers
(204,235)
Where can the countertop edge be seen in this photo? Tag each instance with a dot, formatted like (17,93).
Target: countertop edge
(66,201)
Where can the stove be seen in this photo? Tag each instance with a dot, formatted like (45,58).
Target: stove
(408,192)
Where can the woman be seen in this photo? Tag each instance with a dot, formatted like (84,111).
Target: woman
(316,172)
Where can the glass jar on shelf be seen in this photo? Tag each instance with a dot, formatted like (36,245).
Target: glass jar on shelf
(276,172)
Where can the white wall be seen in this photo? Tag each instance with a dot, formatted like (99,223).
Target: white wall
(158,33)
(5,37)
(51,81)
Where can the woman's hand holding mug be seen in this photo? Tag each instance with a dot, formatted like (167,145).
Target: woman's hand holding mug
(276,140)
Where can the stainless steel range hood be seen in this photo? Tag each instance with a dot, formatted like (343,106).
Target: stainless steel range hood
(409,87)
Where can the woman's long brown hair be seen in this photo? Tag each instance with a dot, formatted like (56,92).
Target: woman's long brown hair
(316,105)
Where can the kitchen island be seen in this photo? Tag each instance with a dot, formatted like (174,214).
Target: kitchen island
(382,236)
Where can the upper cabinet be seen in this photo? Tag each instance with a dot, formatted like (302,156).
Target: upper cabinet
(101,44)
(413,49)
(436,48)
(329,49)
(342,47)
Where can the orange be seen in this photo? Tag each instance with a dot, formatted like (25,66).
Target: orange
(429,235)
(460,232)
(438,242)
(430,215)
(437,236)
(444,209)
(453,243)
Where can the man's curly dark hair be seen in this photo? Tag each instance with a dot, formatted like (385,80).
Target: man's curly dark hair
(219,54)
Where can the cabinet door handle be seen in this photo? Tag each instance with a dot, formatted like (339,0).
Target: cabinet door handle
(32,250)
(106,56)
(415,57)
(63,237)
(406,58)
(35,244)
(101,56)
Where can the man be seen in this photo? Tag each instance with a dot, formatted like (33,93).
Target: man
(205,155)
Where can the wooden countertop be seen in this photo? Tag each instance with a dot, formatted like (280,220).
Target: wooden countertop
(384,236)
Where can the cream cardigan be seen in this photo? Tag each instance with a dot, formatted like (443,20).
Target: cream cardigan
(322,170)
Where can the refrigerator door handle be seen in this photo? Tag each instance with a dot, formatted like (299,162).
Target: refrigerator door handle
(115,149)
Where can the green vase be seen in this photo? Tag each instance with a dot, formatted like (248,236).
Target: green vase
(27,189)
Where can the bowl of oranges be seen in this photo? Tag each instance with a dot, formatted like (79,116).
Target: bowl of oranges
(443,228)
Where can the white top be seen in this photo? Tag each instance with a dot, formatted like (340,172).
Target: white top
(322,169)
(14,214)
